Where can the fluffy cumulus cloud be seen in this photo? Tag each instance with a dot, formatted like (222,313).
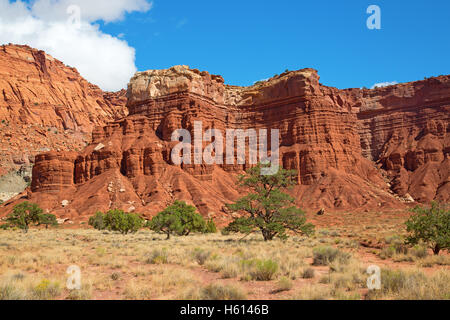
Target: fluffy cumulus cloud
(383,84)
(66,29)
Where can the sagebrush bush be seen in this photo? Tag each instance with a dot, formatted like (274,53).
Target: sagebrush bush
(308,273)
(201,255)
(221,292)
(46,289)
(284,284)
(158,256)
(419,251)
(323,256)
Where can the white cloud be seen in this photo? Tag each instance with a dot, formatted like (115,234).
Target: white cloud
(259,81)
(383,84)
(45,24)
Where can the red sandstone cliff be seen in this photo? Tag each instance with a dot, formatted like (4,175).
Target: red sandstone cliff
(406,129)
(46,105)
(353,149)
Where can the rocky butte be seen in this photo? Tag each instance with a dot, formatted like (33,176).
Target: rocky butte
(45,105)
(353,149)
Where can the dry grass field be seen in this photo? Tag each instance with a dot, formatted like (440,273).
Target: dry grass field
(330,265)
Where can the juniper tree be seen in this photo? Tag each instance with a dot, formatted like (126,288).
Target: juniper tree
(266,208)
(178,218)
(24,214)
(430,225)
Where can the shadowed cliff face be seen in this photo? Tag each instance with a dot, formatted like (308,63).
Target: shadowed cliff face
(343,143)
(46,105)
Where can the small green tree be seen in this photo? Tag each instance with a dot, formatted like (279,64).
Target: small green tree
(430,225)
(179,218)
(268,210)
(48,220)
(23,215)
(97,221)
(118,220)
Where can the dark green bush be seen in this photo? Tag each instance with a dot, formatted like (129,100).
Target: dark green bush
(117,220)
(98,221)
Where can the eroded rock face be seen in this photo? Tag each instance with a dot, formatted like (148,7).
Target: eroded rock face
(46,105)
(353,149)
(406,129)
(128,164)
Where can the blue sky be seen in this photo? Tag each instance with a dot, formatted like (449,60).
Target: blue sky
(246,41)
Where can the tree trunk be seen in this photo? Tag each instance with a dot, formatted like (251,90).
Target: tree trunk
(267,235)
(168,236)
(436,249)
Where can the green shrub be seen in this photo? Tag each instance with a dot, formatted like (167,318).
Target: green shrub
(263,270)
(323,256)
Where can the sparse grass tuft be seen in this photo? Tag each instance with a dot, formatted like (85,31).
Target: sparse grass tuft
(158,256)
(201,255)
(284,284)
(263,270)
